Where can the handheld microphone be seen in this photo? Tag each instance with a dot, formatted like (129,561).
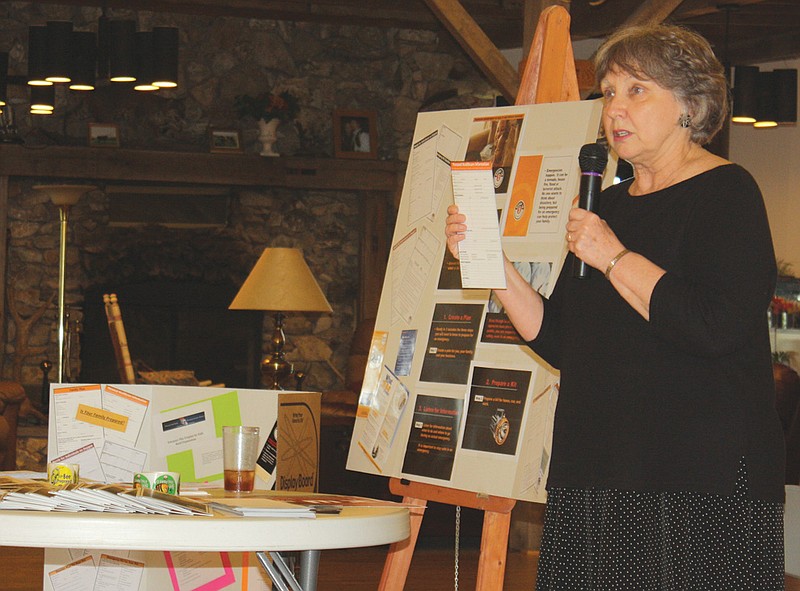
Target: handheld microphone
(592,160)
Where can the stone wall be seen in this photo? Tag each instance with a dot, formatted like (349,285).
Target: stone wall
(392,71)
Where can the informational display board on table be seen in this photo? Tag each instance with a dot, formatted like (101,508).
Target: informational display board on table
(451,395)
(115,431)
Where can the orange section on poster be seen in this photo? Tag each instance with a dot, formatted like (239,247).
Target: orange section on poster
(522,196)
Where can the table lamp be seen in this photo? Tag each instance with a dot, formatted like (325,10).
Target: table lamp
(280,282)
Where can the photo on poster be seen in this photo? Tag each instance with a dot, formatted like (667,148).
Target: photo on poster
(523,195)
(495,410)
(451,343)
(494,139)
(433,437)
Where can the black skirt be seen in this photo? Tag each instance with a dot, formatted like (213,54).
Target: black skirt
(613,540)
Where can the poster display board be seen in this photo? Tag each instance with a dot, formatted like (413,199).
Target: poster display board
(451,395)
(115,431)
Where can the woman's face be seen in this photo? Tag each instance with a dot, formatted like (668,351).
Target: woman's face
(640,119)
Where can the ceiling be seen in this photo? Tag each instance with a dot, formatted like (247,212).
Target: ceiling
(744,31)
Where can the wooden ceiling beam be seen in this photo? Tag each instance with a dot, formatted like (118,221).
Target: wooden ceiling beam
(692,8)
(474,41)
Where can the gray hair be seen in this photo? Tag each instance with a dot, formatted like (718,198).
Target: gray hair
(676,59)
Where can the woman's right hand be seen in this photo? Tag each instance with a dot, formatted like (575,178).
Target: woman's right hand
(454,229)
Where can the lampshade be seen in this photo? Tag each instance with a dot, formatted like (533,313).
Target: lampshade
(37,56)
(144,62)
(103,46)
(282,282)
(43,100)
(64,194)
(165,57)
(59,52)
(84,59)
(766,114)
(121,51)
(3,78)
(745,94)
(786,95)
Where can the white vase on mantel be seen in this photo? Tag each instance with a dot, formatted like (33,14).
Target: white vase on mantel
(268,133)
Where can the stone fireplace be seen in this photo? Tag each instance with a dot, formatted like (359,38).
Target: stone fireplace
(175,281)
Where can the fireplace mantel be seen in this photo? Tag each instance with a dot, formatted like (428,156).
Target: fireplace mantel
(118,164)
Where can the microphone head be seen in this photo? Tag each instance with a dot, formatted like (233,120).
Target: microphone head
(593,158)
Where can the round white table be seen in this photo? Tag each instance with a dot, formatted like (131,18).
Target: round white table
(353,527)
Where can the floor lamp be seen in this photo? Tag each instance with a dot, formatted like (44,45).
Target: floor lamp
(64,197)
(280,282)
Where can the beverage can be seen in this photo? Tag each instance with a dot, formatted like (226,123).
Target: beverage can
(61,474)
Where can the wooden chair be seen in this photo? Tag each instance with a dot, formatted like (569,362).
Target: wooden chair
(127,372)
(118,339)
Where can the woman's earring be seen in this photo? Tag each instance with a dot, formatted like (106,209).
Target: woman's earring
(685,120)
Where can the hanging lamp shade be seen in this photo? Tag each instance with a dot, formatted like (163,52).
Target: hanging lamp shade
(3,79)
(165,57)
(745,94)
(766,114)
(121,51)
(144,62)
(59,52)
(786,95)
(37,56)
(43,100)
(84,60)
(103,46)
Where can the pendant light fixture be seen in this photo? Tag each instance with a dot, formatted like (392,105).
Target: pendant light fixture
(786,95)
(43,100)
(3,79)
(37,56)
(745,94)
(766,112)
(59,51)
(84,61)
(121,51)
(103,45)
(116,53)
(144,62)
(165,57)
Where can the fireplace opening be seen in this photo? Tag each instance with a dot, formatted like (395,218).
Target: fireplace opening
(174,325)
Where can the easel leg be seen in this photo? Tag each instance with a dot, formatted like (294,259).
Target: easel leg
(494,544)
(398,561)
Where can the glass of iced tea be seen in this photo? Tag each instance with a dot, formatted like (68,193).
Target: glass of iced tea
(240,450)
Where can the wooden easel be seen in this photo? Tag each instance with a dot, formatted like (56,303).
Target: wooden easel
(549,76)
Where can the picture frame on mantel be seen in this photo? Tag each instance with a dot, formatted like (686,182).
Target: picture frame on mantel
(355,134)
(103,135)
(225,140)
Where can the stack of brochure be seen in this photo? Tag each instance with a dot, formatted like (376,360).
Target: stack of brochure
(34,495)
(29,494)
(261,508)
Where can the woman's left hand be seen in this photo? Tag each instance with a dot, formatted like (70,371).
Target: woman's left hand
(590,238)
